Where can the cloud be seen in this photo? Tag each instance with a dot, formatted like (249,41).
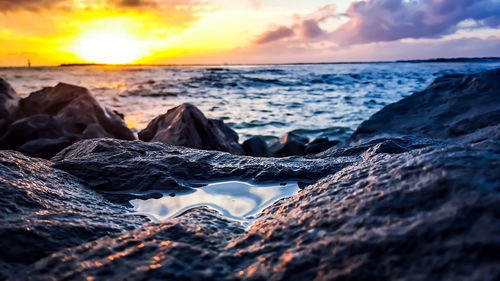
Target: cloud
(390,20)
(305,27)
(286,52)
(30,5)
(275,35)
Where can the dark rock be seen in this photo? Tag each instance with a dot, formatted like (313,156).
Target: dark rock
(428,214)
(314,148)
(44,210)
(9,102)
(319,140)
(40,126)
(255,146)
(289,145)
(53,118)
(185,125)
(77,106)
(113,165)
(46,148)
(458,108)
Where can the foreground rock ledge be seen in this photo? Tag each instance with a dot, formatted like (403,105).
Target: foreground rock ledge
(44,210)
(427,214)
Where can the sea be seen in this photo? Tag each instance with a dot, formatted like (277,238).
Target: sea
(313,100)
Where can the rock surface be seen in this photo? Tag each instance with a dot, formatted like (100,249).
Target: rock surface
(458,108)
(114,165)
(428,214)
(9,102)
(255,146)
(55,117)
(44,210)
(185,125)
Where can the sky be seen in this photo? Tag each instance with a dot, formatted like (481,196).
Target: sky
(51,32)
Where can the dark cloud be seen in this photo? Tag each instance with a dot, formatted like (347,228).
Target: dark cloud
(275,35)
(30,5)
(306,27)
(311,29)
(390,20)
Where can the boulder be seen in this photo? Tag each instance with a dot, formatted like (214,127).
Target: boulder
(255,146)
(289,145)
(114,165)
(44,210)
(185,125)
(319,145)
(39,126)
(51,119)
(77,106)
(9,102)
(456,108)
(425,214)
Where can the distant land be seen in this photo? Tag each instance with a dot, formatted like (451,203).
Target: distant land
(483,59)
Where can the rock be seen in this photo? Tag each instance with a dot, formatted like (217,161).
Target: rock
(457,108)
(9,102)
(44,210)
(40,126)
(289,145)
(113,165)
(319,145)
(426,214)
(75,105)
(46,148)
(54,118)
(185,125)
(255,146)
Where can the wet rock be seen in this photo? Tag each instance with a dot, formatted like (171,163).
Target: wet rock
(75,105)
(255,146)
(114,165)
(9,102)
(458,108)
(426,214)
(185,125)
(319,145)
(44,210)
(40,126)
(53,118)
(289,145)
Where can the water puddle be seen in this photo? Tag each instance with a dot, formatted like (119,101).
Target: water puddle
(234,199)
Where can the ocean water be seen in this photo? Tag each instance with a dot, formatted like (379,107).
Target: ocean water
(314,100)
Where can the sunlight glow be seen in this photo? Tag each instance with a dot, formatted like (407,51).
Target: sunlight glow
(110,46)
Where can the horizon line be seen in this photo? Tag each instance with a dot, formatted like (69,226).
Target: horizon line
(436,60)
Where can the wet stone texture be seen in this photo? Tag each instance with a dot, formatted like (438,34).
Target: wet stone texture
(426,214)
(44,210)
(458,108)
(114,165)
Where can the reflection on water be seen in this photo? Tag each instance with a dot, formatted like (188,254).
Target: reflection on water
(235,200)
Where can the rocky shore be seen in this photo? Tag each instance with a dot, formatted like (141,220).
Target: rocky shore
(413,194)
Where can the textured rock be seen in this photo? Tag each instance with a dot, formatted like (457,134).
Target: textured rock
(44,210)
(113,165)
(76,105)
(458,108)
(55,117)
(289,145)
(428,214)
(185,125)
(9,102)
(255,146)
(319,145)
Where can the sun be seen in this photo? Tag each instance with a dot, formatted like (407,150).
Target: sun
(109,46)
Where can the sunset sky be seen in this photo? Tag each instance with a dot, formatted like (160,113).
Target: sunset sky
(50,32)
